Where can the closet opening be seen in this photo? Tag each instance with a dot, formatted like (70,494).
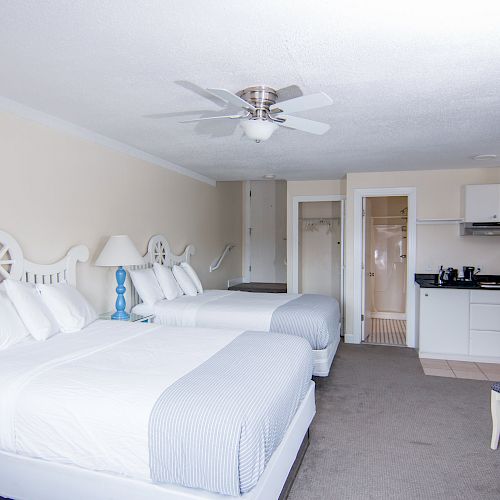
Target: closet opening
(319,259)
(384,270)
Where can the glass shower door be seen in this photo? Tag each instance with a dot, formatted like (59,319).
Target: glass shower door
(388,286)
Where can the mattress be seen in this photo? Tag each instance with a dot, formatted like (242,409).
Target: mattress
(313,317)
(86,398)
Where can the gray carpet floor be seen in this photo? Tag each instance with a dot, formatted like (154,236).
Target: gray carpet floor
(384,430)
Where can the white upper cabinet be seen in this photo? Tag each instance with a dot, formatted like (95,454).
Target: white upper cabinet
(482,203)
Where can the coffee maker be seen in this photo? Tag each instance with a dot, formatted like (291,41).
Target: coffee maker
(469,273)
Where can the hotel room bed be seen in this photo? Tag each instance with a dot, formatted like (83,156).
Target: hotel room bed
(123,410)
(200,409)
(313,317)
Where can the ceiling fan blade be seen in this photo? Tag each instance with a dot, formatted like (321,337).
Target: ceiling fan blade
(200,91)
(232,117)
(305,125)
(303,103)
(159,116)
(287,93)
(231,98)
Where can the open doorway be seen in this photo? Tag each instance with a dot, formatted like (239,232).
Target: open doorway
(385,270)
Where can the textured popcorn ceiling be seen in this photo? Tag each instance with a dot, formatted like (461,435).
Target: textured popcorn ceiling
(415,85)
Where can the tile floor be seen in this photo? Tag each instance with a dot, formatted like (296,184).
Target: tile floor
(387,332)
(461,369)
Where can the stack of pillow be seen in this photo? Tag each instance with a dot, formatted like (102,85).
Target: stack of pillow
(161,282)
(40,311)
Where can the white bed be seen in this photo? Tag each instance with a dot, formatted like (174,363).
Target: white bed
(232,309)
(75,408)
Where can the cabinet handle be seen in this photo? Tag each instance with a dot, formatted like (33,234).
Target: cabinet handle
(495,216)
(426,294)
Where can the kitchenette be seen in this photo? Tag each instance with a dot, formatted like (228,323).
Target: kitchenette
(458,310)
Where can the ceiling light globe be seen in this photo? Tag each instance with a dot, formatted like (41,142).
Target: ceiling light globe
(258,130)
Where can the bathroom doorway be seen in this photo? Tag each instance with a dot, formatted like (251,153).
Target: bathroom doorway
(385,270)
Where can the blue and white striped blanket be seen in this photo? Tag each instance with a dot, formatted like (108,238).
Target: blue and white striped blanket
(313,317)
(217,427)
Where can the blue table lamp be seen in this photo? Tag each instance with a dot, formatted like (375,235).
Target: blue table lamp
(119,251)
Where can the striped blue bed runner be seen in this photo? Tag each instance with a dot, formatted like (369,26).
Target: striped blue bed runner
(217,427)
(313,317)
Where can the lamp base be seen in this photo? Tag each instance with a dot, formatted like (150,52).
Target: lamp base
(120,315)
(120,312)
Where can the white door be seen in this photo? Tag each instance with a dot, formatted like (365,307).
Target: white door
(263,231)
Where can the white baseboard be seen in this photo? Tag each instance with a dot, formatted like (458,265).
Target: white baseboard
(349,338)
(235,281)
(459,357)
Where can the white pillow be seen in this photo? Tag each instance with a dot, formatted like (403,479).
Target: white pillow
(31,309)
(194,277)
(167,282)
(184,281)
(69,307)
(147,286)
(12,329)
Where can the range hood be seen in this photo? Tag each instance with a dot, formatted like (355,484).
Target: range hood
(480,229)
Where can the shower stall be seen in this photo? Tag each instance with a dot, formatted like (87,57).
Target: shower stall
(385,269)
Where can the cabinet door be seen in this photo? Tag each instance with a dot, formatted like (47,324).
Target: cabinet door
(482,203)
(444,321)
(484,343)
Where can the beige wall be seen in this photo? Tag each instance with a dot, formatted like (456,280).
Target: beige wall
(439,195)
(58,191)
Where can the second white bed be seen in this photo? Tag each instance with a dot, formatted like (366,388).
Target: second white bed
(226,309)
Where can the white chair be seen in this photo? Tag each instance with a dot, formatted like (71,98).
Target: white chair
(495,415)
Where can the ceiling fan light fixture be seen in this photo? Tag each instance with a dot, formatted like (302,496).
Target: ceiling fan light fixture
(258,130)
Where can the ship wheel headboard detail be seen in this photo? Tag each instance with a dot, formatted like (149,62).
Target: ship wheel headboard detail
(13,265)
(159,251)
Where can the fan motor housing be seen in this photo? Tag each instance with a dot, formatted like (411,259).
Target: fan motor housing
(261,96)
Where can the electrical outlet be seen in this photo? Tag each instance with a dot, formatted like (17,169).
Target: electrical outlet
(430,268)
(479,268)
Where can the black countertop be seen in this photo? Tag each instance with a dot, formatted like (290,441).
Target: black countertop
(430,281)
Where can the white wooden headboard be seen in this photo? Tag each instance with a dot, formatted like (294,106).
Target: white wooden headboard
(13,264)
(159,251)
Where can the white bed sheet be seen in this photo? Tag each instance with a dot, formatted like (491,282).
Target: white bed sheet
(54,392)
(219,309)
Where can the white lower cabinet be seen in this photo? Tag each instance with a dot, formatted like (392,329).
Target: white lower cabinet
(484,343)
(444,321)
(459,324)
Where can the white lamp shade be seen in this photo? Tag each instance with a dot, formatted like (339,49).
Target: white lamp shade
(258,130)
(119,251)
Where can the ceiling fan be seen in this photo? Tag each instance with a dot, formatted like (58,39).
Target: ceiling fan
(262,113)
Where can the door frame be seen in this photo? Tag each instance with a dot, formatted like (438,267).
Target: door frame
(363,269)
(359,194)
(293,287)
(246,256)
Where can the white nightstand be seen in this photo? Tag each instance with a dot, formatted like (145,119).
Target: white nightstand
(133,317)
